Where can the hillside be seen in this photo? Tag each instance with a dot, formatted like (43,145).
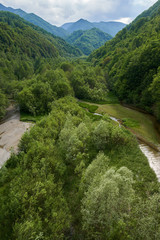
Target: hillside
(16,23)
(36,20)
(89,40)
(112,28)
(79,172)
(131,61)
(81,24)
(24,50)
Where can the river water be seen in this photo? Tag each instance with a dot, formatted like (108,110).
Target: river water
(12,129)
(152,155)
(153,158)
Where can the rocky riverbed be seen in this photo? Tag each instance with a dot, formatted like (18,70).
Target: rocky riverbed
(11,131)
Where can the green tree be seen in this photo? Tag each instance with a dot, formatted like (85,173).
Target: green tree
(107,204)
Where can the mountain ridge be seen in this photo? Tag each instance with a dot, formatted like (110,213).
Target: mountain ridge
(33,18)
(88,40)
(110,27)
(131,61)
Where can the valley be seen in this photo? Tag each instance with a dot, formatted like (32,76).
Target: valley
(80,141)
(141,125)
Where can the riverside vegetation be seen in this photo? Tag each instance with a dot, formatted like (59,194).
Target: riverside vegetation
(131,62)
(76,176)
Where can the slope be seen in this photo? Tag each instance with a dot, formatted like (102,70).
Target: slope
(26,50)
(14,21)
(131,61)
(89,40)
(33,18)
(111,28)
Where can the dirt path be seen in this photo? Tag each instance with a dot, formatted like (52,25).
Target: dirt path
(11,131)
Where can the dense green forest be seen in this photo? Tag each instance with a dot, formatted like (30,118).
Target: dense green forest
(26,50)
(76,175)
(88,40)
(78,178)
(38,21)
(131,62)
(34,71)
(111,28)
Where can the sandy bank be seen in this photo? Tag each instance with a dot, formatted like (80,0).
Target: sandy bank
(11,131)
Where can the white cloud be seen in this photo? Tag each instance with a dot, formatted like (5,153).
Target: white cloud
(126,20)
(58,12)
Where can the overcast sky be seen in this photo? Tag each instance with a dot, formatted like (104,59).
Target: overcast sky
(58,12)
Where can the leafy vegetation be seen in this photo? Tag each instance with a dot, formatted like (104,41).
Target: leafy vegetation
(88,40)
(75,175)
(34,19)
(90,108)
(3,105)
(111,28)
(67,162)
(131,62)
(141,123)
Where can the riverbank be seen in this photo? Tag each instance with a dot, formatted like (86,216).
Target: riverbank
(141,124)
(11,131)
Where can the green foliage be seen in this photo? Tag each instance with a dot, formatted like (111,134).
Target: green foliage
(88,83)
(90,108)
(131,61)
(128,122)
(106,136)
(88,40)
(34,19)
(3,104)
(107,203)
(60,185)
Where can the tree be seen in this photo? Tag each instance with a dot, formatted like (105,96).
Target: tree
(3,105)
(107,204)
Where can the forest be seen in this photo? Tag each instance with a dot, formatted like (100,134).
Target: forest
(131,62)
(77,175)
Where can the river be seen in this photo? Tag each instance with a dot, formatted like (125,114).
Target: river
(152,155)
(11,131)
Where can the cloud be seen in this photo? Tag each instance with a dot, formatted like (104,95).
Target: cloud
(58,12)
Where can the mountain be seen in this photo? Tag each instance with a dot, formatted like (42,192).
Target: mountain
(22,44)
(88,40)
(131,61)
(108,27)
(36,20)
(81,24)
(111,28)
(150,12)
(62,47)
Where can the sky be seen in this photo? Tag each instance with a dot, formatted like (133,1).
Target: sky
(58,12)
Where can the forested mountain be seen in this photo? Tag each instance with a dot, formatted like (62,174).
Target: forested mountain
(81,24)
(88,40)
(131,61)
(24,49)
(112,28)
(76,175)
(16,23)
(36,20)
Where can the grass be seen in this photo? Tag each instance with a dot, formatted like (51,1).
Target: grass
(89,107)
(142,124)
(110,99)
(26,117)
(132,123)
